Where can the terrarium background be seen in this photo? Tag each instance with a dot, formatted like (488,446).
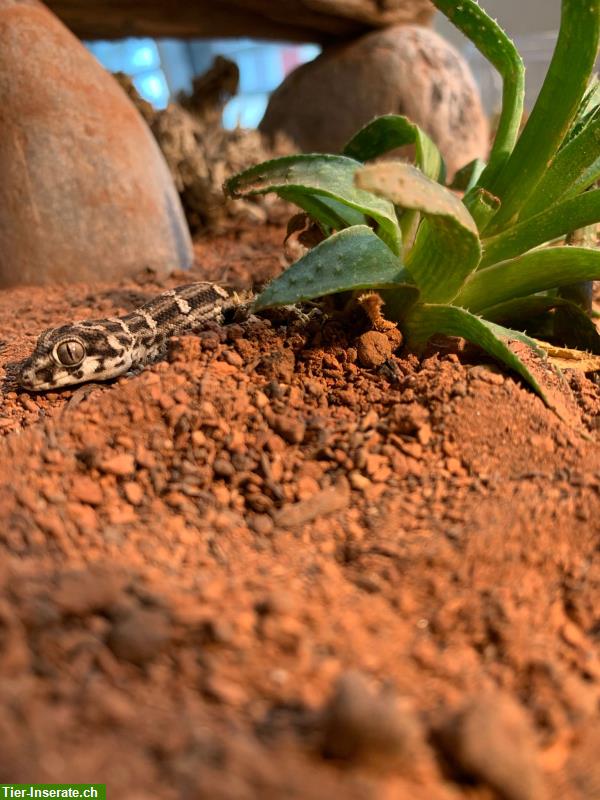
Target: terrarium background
(163,67)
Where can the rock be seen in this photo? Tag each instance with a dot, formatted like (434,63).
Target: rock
(492,741)
(85,193)
(261,524)
(121,465)
(361,726)
(289,428)
(223,468)
(86,490)
(359,481)
(287,20)
(224,691)
(409,418)
(402,70)
(133,492)
(140,636)
(327,501)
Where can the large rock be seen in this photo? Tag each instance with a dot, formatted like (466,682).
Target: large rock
(403,70)
(85,193)
(291,20)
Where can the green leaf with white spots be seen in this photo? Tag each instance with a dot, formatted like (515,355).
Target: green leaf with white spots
(354,258)
(322,176)
(446,248)
(390,131)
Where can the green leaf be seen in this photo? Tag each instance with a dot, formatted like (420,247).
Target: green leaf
(517,351)
(522,309)
(489,38)
(389,132)
(574,328)
(481,205)
(570,325)
(398,301)
(561,219)
(537,271)
(575,168)
(354,258)
(553,113)
(588,110)
(466,178)
(330,213)
(589,177)
(447,247)
(320,175)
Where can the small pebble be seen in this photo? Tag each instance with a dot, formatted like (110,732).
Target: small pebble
(140,636)
(261,524)
(86,490)
(289,428)
(133,493)
(361,726)
(121,465)
(223,468)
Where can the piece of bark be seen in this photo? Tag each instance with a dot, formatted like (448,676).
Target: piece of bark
(291,20)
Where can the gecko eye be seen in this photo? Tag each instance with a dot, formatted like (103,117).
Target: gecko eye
(69,353)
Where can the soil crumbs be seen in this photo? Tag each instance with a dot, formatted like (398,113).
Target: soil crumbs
(259,569)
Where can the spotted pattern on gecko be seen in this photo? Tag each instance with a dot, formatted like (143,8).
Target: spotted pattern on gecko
(97,350)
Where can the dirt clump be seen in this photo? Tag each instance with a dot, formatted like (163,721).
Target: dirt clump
(195,557)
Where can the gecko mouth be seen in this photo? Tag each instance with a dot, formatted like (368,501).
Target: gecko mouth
(29,380)
(35,378)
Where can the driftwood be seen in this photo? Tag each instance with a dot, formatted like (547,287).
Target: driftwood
(291,20)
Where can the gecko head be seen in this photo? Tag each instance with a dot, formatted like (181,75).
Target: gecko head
(72,354)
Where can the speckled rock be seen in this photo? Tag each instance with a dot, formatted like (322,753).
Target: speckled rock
(85,192)
(402,70)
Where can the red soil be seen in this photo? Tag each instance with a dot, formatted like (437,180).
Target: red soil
(262,570)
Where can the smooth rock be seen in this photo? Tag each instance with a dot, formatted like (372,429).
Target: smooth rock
(85,193)
(140,637)
(492,740)
(365,727)
(407,70)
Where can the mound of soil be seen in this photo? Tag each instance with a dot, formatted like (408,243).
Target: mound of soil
(261,569)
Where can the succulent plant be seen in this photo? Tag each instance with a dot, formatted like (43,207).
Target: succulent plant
(464,266)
